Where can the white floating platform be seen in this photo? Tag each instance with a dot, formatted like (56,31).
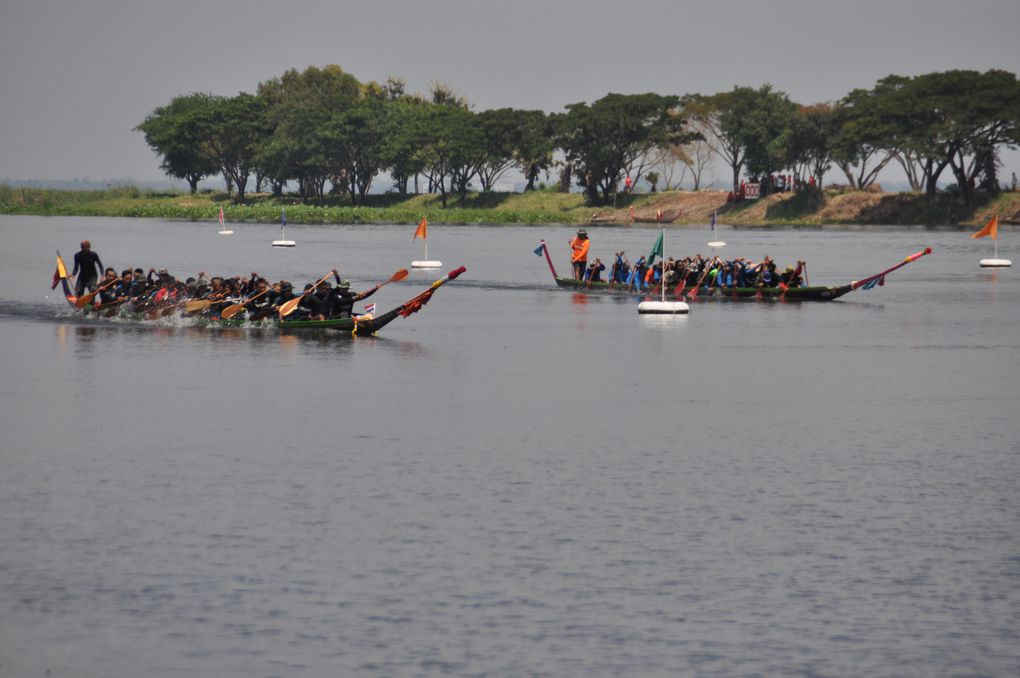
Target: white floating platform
(226,233)
(664,307)
(284,243)
(717,243)
(996,263)
(426,264)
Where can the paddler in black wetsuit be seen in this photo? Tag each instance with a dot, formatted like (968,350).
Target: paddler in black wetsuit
(262,300)
(111,288)
(138,284)
(320,302)
(87,267)
(343,300)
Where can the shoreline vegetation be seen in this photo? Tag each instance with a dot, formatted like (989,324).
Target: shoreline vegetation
(834,206)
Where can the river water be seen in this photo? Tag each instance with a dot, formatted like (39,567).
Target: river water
(518,480)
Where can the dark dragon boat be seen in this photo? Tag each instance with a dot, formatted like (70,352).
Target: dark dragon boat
(357,325)
(781,293)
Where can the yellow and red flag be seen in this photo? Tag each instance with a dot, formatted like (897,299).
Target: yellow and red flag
(990,229)
(59,274)
(423,230)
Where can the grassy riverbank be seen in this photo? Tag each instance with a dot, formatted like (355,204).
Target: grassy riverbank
(536,207)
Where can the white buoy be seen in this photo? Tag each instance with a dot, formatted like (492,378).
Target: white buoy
(996,263)
(226,233)
(663,307)
(715,243)
(283,242)
(423,233)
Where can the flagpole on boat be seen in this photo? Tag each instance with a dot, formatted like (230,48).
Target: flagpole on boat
(663,307)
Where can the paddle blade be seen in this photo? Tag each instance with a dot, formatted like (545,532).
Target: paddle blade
(85,298)
(288,307)
(232,310)
(197,305)
(399,275)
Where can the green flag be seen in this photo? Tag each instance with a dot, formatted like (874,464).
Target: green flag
(656,250)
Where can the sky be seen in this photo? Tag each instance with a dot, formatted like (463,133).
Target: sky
(76,76)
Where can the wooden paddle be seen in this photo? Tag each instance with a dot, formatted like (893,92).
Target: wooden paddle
(694,291)
(399,275)
(678,291)
(232,310)
(86,298)
(289,306)
(201,304)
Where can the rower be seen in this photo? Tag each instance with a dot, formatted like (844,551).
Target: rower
(621,269)
(109,293)
(262,300)
(320,302)
(637,274)
(343,299)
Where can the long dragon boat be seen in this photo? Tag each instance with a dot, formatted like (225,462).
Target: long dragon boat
(807,293)
(363,324)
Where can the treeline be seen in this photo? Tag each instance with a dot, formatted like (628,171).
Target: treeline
(330,133)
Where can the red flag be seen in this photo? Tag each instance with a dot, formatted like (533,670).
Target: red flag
(991,228)
(423,230)
(221,215)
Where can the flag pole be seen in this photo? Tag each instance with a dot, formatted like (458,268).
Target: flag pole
(662,280)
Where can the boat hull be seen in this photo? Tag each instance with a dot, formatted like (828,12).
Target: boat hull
(718,293)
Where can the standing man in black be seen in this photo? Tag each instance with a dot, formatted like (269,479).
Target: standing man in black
(87,267)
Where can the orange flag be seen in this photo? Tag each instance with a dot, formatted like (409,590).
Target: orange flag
(991,228)
(423,230)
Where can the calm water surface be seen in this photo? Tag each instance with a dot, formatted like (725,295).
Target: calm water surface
(518,480)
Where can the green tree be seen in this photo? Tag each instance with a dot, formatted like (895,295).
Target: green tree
(534,146)
(354,142)
(862,145)
(653,179)
(232,129)
(171,131)
(405,119)
(951,119)
(746,128)
(766,132)
(500,133)
(451,148)
(812,132)
(602,140)
(299,105)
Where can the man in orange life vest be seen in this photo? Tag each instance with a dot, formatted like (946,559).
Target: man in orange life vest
(579,253)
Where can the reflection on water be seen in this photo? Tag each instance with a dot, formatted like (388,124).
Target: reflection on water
(518,480)
(89,338)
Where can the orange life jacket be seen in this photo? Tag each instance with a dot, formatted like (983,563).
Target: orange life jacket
(579,249)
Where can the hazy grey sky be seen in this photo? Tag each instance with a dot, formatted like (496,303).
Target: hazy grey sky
(77,75)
